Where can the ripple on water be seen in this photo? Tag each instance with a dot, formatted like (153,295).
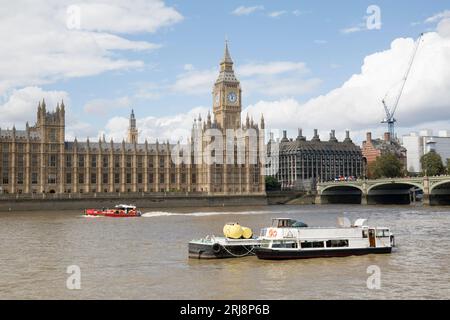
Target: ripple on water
(147,258)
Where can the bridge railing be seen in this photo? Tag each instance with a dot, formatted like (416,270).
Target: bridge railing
(360,181)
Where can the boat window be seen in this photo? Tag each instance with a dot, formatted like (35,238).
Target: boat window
(382,233)
(284,244)
(312,244)
(281,223)
(337,243)
(265,243)
(365,233)
(263,232)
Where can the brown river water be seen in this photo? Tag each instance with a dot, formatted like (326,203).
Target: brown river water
(147,258)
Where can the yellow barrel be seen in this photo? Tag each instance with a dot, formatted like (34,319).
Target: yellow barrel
(247,233)
(232,231)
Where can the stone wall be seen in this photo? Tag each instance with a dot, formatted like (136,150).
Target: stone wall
(141,202)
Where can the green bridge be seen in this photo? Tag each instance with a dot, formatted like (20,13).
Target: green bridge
(429,190)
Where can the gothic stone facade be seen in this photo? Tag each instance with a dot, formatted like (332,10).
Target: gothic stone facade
(303,163)
(39,160)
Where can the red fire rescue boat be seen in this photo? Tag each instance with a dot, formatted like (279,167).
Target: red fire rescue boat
(119,211)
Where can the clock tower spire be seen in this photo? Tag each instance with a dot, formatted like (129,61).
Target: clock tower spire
(227,95)
(132,129)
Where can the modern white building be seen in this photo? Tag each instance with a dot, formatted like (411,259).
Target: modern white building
(418,144)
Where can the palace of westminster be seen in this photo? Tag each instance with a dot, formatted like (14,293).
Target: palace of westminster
(39,160)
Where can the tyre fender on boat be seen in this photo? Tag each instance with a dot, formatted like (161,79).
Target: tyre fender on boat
(392,238)
(216,248)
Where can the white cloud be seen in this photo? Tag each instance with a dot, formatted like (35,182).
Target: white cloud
(286,86)
(354,29)
(277,78)
(277,14)
(188,67)
(41,48)
(194,81)
(443,28)
(357,103)
(148,91)
(77,127)
(245,11)
(361,26)
(21,105)
(438,17)
(274,78)
(173,128)
(299,13)
(113,42)
(123,16)
(320,42)
(102,107)
(271,68)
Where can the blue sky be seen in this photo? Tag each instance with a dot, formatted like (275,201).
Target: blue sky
(309,36)
(198,40)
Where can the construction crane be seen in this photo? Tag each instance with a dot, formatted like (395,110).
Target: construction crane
(390,110)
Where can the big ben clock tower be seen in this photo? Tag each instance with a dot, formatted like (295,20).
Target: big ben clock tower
(227,95)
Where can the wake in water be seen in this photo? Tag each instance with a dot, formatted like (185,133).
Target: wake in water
(200,214)
(89,216)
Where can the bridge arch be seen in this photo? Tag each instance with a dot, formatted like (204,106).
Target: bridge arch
(440,193)
(393,183)
(350,185)
(341,194)
(440,183)
(394,192)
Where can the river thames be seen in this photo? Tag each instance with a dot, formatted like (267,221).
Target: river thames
(147,257)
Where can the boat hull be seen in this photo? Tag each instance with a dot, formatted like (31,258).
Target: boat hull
(270,254)
(219,251)
(112,213)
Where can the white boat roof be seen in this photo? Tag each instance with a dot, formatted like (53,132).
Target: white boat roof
(126,206)
(360,222)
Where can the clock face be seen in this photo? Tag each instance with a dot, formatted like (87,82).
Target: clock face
(232,97)
(217,98)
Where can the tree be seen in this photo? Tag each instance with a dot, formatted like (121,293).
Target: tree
(448,166)
(272,184)
(386,166)
(432,164)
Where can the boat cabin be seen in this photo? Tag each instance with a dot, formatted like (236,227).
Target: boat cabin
(290,233)
(287,223)
(126,208)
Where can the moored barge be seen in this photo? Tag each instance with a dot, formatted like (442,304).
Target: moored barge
(237,242)
(212,247)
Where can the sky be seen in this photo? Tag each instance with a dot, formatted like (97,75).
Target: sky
(303,64)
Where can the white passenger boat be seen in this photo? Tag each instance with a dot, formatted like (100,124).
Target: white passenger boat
(289,239)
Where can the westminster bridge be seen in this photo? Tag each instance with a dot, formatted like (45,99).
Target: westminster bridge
(429,190)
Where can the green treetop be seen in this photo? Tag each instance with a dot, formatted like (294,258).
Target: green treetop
(272,184)
(386,166)
(432,164)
